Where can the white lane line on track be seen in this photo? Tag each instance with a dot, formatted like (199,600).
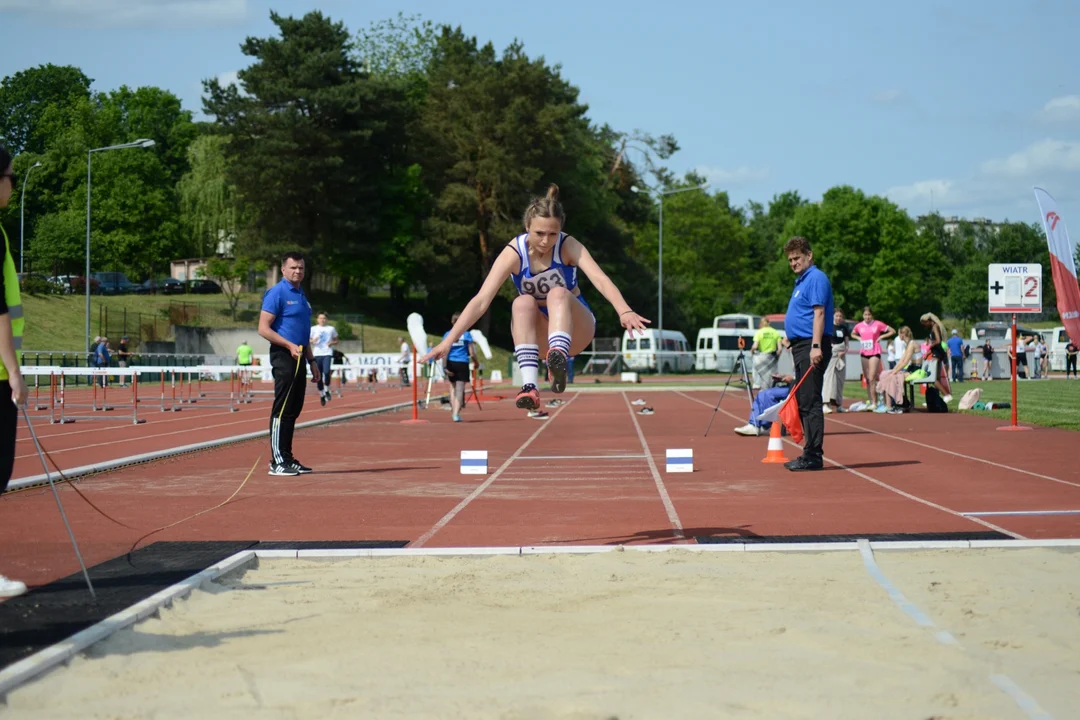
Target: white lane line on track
(879,483)
(673,516)
(956,454)
(445,519)
(159,435)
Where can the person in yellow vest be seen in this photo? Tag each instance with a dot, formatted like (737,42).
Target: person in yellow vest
(11,379)
(766,353)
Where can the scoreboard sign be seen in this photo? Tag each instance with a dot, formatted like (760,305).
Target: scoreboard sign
(1015,288)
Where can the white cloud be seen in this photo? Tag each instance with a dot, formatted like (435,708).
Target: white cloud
(1045,156)
(732,178)
(923,193)
(1062,109)
(232,77)
(131,13)
(888,97)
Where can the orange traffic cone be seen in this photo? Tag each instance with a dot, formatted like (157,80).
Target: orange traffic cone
(863,378)
(775,453)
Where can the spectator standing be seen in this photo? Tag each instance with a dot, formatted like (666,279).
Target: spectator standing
(124,357)
(936,353)
(462,352)
(987,361)
(323,339)
(102,358)
(832,388)
(285,321)
(1071,351)
(766,353)
(406,354)
(809,322)
(13,392)
(1018,353)
(956,356)
(869,333)
(1044,358)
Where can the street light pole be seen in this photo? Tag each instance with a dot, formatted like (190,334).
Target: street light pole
(660,249)
(143,143)
(22,215)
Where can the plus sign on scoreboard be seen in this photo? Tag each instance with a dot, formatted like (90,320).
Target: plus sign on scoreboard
(1016,288)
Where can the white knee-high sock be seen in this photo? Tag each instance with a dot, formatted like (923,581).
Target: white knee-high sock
(528,359)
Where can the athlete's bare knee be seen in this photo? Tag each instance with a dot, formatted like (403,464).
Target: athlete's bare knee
(559,295)
(524,304)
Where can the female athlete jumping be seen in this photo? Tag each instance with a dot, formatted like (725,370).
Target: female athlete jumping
(549,315)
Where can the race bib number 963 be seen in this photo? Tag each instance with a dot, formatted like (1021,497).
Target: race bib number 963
(540,285)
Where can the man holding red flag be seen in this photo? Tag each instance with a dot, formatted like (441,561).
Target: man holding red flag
(809,319)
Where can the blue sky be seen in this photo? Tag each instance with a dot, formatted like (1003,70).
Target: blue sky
(958,105)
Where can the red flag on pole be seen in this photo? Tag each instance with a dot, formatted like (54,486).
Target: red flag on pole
(789,411)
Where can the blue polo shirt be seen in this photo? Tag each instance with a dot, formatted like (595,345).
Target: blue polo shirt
(459,351)
(811,288)
(956,346)
(291,311)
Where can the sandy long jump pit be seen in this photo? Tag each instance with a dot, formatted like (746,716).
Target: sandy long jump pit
(605,635)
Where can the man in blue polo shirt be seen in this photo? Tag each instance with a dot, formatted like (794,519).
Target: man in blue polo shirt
(809,319)
(285,321)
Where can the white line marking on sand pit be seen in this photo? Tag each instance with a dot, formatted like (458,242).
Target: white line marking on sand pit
(673,516)
(445,519)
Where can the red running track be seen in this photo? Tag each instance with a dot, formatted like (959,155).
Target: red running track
(592,474)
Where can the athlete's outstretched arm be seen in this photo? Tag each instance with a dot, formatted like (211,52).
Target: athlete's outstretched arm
(578,255)
(507,262)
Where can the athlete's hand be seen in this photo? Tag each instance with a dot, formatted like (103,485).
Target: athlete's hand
(632,321)
(437,353)
(19,392)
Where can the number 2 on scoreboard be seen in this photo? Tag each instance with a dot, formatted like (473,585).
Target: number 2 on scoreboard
(1031,287)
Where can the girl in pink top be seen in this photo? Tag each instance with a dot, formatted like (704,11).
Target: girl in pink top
(870,333)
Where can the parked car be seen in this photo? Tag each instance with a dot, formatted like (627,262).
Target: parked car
(161,286)
(113,283)
(36,279)
(203,287)
(66,283)
(78,287)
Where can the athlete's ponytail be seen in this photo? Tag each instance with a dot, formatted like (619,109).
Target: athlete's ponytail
(546,207)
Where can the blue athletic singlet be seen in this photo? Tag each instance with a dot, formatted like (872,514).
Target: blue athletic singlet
(539,285)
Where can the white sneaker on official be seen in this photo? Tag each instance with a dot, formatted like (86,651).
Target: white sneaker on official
(827,409)
(748,430)
(11,588)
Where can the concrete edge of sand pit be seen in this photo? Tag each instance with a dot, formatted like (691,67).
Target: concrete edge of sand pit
(28,668)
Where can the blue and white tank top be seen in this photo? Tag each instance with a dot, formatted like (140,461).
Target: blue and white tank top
(558,275)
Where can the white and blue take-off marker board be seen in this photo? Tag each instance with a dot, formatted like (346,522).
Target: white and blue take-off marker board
(1015,287)
(474,462)
(680,460)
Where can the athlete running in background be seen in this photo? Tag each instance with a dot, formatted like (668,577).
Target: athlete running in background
(549,315)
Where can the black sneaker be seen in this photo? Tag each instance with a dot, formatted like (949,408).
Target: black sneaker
(557,364)
(803,464)
(283,470)
(299,468)
(322,399)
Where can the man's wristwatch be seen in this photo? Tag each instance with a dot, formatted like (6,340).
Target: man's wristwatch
(816,345)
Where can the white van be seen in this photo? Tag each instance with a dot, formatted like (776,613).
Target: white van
(1056,343)
(718,346)
(651,351)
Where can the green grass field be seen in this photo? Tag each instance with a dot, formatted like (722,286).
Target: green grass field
(1050,403)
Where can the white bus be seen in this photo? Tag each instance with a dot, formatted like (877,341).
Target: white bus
(651,351)
(718,346)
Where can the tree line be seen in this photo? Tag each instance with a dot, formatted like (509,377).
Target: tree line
(402,156)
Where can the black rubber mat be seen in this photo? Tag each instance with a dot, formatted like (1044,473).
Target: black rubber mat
(873,537)
(51,613)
